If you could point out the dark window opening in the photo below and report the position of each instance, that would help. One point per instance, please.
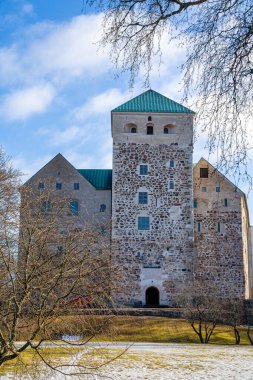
(73, 207)
(143, 169)
(152, 296)
(76, 186)
(102, 230)
(41, 185)
(143, 198)
(149, 118)
(143, 223)
(150, 130)
(133, 130)
(102, 208)
(166, 130)
(225, 202)
(59, 249)
(58, 186)
(46, 207)
(203, 173)
(195, 203)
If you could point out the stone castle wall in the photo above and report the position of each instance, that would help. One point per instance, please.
(161, 256)
(219, 263)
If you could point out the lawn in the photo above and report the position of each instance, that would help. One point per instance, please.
(120, 329)
(164, 330)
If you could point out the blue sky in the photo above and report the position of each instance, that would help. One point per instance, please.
(57, 87)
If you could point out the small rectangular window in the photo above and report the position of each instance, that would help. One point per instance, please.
(171, 186)
(143, 169)
(102, 230)
(171, 163)
(217, 189)
(225, 202)
(203, 173)
(218, 227)
(76, 186)
(143, 198)
(150, 130)
(73, 207)
(203, 189)
(195, 203)
(143, 223)
(58, 186)
(102, 208)
(199, 227)
(46, 207)
(59, 249)
(41, 185)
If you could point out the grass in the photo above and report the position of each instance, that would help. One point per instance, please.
(164, 330)
(120, 329)
(134, 329)
(29, 361)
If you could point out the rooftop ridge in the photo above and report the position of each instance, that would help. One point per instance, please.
(152, 101)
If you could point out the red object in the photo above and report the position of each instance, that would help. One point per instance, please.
(77, 301)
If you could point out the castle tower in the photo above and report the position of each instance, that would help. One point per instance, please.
(152, 200)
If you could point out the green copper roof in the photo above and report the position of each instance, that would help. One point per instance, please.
(152, 101)
(101, 179)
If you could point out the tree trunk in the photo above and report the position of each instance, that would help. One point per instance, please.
(249, 337)
(237, 335)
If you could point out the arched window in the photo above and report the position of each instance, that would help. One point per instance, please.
(130, 128)
(169, 129)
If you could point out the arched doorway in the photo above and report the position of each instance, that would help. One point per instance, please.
(152, 296)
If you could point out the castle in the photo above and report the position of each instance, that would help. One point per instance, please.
(172, 222)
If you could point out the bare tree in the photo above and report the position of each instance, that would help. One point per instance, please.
(249, 319)
(249, 330)
(202, 310)
(218, 69)
(233, 315)
(48, 270)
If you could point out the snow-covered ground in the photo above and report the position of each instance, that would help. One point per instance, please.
(179, 361)
(148, 361)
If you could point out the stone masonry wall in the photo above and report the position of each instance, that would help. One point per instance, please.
(219, 261)
(161, 256)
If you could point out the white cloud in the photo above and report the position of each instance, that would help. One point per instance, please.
(28, 167)
(70, 48)
(10, 68)
(101, 104)
(27, 9)
(101, 157)
(59, 137)
(59, 51)
(21, 104)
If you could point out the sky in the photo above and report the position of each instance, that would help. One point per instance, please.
(57, 87)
